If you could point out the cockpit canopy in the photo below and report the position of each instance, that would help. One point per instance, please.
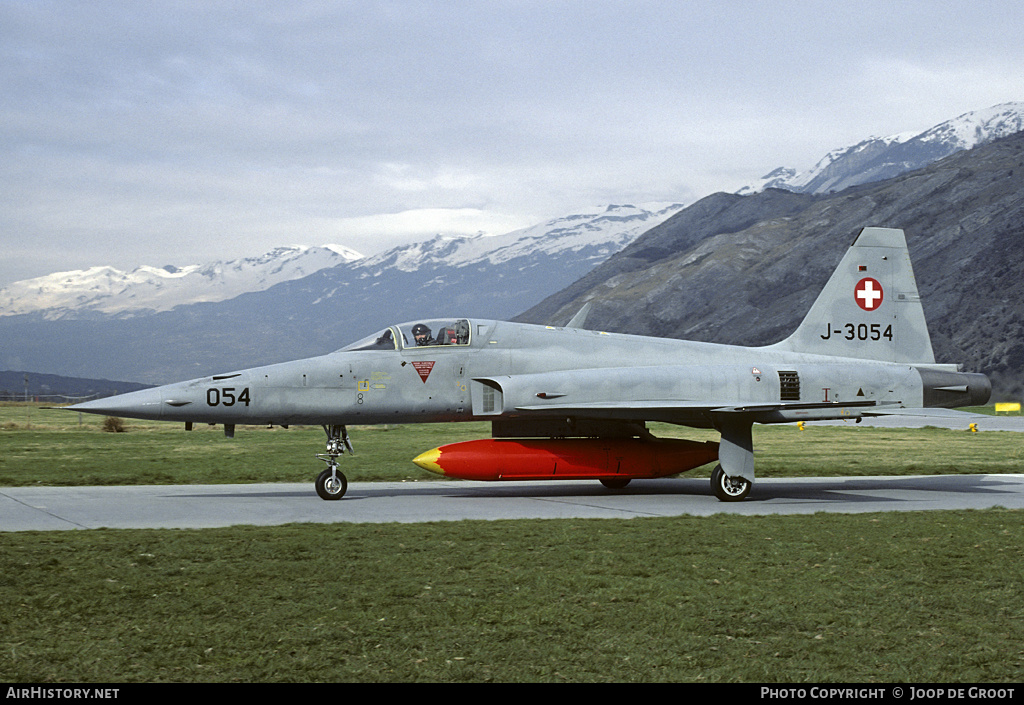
(416, 334)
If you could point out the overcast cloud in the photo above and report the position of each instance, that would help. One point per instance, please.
(183, 132)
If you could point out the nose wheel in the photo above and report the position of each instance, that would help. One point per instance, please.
(332, 483)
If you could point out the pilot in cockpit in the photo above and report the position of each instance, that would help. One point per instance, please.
(422, 335)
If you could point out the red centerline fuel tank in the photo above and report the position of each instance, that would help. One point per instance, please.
(567, 459)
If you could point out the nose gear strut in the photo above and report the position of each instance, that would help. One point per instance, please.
(332, 483)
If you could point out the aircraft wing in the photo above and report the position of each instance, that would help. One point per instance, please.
(702, 414)
(699, 413)
(718, 407)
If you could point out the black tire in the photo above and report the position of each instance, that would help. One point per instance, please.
(615, 483)
(729, 490)
(329, 488)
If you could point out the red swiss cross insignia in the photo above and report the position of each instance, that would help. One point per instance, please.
(868, 294)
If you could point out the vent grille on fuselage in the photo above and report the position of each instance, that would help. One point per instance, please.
(489, 405)
(789, 386)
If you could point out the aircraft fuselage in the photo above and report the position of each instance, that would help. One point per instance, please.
(507, 367)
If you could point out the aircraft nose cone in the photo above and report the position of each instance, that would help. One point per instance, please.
(143, 404)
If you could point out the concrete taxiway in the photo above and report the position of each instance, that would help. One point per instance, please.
(206, 506)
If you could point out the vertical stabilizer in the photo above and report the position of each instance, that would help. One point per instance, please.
(870, 308)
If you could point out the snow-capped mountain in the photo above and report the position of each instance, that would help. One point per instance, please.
(592, 236)
(879, 158)
(589, 237)
(477, 277)
(107, 290)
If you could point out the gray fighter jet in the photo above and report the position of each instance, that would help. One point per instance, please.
(568, 402)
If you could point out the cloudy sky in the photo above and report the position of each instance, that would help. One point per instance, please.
(181, 132)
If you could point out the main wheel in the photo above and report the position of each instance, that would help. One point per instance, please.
(615, 483)
(729, 489)
(329, 487)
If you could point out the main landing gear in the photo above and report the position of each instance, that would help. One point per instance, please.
(332, 483)
(735, 455)
(729, 489)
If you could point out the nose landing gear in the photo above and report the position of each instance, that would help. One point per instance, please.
(332, 483)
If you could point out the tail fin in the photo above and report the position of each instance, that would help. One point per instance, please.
(870, 308)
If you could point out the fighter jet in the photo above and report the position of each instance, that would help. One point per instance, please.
(566, 402)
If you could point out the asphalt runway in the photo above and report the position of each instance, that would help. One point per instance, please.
(206, 506)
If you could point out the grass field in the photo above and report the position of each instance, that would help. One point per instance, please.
(895, 597)
(52, 447)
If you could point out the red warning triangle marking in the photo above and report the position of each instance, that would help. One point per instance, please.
(423, 368)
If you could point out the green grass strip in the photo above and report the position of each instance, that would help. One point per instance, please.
(49, 447)
(900, 597)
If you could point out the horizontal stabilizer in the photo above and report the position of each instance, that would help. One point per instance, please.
(927, 413)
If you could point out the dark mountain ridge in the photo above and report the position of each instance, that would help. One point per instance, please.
(745, 269)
